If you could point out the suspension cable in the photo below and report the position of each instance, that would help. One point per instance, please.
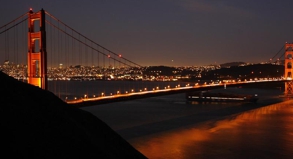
(277, 53)
(14, 20)
(6, 29)
(90, 39)
(84, 42)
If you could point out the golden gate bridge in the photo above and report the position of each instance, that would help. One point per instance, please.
(38, 45)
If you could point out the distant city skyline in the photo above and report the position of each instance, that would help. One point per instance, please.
(173, 33)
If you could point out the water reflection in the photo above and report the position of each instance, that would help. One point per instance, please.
(266, 132)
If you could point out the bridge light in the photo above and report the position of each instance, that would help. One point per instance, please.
(120, 55)
(31, 11)
(109, 56)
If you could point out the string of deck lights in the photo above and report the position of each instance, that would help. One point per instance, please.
(167, 88)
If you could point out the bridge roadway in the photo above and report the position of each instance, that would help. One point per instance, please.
(168, 91)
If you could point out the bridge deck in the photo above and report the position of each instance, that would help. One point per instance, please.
(146, 94)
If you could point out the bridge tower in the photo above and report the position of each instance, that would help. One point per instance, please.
(288, 68)
(37, 55)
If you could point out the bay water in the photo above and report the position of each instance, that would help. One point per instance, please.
(171, 127)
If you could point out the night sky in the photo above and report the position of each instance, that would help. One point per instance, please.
(174, 32)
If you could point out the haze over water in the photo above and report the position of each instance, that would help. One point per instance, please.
(169, 127)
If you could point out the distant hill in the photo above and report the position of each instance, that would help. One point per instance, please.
(224, 65)
(37, 124)
(160, 70)
(246, 72)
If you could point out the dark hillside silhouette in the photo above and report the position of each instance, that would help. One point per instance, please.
(37, 124)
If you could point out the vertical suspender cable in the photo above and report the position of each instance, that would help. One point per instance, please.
(61, 51)
(17, 38)
(92, 66)
(98, 58)
(85, 56)
(8, 47)
(104, 66)
(55, 56)
(91, 56)
(104, 71)
(72, 44)
(66, 67)
(14, 46)
(5, 44)
(51, 52)
(71, 54)
(80, 58)
(21, 48)
(86, 65)
(58, 61)
(99, 68)
(25, 52)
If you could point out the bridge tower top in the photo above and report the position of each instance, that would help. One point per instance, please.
(288, 68)
(37, 55)
(288, 60)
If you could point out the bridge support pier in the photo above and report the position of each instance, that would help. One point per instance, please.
(288, 88)
(37, 56)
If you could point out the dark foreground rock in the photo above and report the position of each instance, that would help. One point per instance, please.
(37, 124)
